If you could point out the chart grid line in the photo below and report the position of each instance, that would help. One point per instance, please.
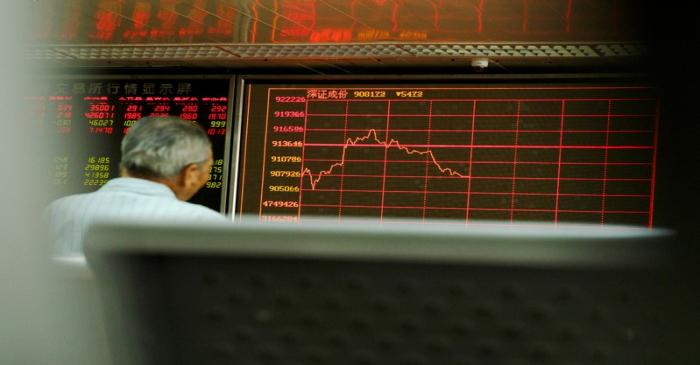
(386, 152)
(471, 162)
(490, 162)
(561, 142)
(408, 115)
(628, 131)
(605, 166)
(342, 171)
(515, 161)
(427, 162)
(418, 208)
(653, 164)
(477, 193)
(505, 177)
(416, 145)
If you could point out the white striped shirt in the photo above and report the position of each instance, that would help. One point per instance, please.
(125, 197)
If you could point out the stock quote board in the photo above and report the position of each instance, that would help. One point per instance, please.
(86, 119)
(407, 152)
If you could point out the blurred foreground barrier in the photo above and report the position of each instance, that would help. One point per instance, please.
(366, 293)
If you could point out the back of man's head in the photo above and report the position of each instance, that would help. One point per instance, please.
(160, 147)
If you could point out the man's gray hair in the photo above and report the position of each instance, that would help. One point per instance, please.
(160, 147)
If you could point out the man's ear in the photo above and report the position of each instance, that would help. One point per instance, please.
(189, 176)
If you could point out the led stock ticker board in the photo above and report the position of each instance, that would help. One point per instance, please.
(87, 119)
(464, 152)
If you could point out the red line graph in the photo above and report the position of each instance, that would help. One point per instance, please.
(372, 136)
(400, 177)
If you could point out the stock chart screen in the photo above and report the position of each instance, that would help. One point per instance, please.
(408, 152)
(85, 120)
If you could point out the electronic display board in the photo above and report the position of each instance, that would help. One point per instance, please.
(527, 150)
(87, 118)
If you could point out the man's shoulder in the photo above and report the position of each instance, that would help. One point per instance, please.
(104, 203)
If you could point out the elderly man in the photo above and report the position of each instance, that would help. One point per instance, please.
(165, 161)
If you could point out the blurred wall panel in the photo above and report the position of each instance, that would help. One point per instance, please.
(334, 21)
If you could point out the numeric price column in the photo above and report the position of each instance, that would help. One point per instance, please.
(216, 111)
(284, 142)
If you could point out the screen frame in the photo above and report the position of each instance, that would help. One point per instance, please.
(244, 80)
(230, 136)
